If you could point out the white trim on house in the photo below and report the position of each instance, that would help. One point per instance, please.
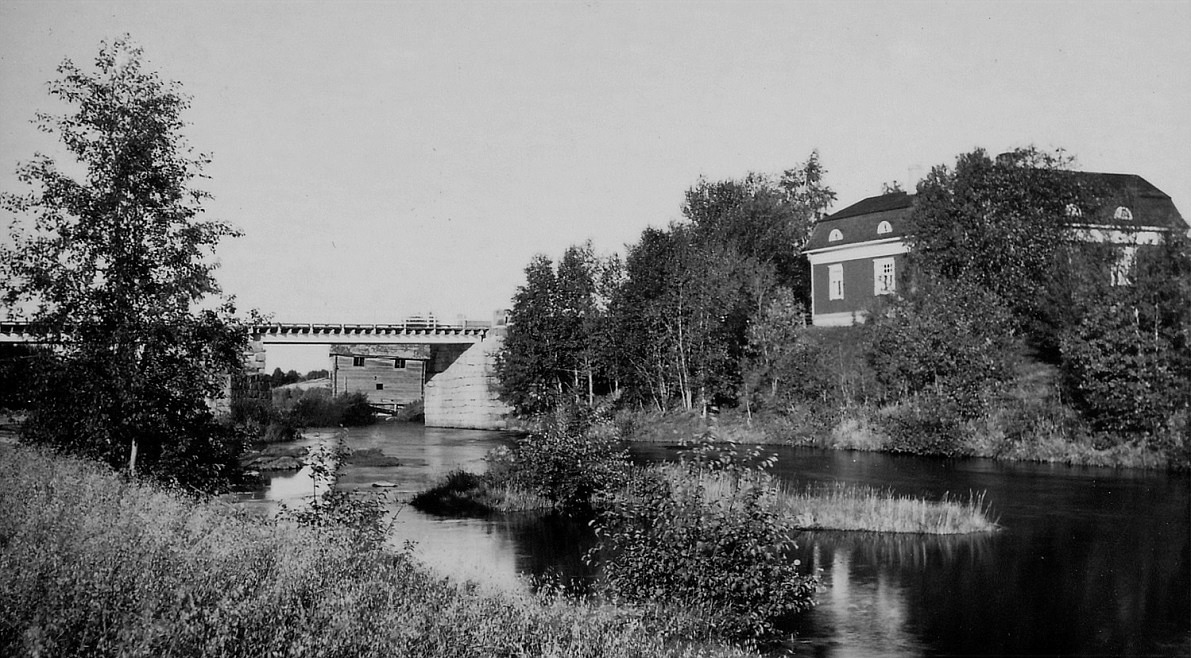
(844, 319)
(1143, 235)
(870, 249)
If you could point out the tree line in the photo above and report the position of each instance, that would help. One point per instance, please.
(667, 324)
(711, 312)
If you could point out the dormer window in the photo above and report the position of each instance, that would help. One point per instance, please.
(835, 235)
(1073, 210)
(884, 227)
(1123, 214)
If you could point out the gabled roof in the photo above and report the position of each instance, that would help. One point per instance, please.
(859, 221)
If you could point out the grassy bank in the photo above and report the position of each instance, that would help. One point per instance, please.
(1040, 437)
(93, 565)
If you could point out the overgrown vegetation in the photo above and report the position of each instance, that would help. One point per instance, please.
(1008, 339)
(108, 567)
(722, 551)
(110, 264)
(316, 407)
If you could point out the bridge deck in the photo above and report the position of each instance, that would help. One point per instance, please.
(313, 333)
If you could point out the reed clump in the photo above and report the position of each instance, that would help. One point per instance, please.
(94, 565)
(461, 493)
(851, 507)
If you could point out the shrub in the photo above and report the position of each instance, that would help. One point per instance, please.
(703, 535)
(569, 460)
(360, 516)
(316, 407)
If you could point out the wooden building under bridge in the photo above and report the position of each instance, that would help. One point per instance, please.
(391, 376)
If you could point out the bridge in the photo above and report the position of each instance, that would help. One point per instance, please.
(447, 365)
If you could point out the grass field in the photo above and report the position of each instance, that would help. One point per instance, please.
(94, 565)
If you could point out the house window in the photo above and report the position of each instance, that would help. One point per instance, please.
(884, 227)
(380, 386)
(399, 364)
(1073, 210)
(835, 281)
(1122, 269)
(358, 361)
(835, 235)
(884, 276)
(1123, 214)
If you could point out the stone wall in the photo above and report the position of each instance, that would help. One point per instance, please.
(243, 387)
(463, 394)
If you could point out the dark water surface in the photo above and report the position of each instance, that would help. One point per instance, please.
(1090, 561)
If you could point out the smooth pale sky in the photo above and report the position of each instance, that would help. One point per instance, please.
(391, 158)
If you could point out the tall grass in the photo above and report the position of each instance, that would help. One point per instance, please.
(460, 493)
(849, 507)
(93, 565)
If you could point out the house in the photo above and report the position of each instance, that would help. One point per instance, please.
(856, 256)
(859, 253)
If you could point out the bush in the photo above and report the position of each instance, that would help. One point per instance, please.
(315, 407)
(704, 536)
(569, 460)
(953, 340)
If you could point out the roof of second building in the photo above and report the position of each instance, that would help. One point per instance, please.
(1128, 201)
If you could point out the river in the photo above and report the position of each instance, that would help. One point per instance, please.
(1089, 561)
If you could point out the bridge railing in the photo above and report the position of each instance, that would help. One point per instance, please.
(467, 327)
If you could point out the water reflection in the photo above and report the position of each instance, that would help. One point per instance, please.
(1091, 561)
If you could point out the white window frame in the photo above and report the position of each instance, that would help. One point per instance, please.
(835, 235)
(1123, 214)
(884, 227)
(884, 276)
(835, 281)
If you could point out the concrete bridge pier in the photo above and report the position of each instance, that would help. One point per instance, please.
(465, 393)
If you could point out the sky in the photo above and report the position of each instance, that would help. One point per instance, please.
(384, 159)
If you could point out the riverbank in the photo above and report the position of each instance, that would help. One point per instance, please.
(92, 564)
(861, 429)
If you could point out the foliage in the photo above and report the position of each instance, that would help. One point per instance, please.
(568, 460)
(360, 516)
(1127, 360)
(18, 365)
(691, 291)
(786, 366)
(279, 378)
(666, 536)
(113, 263)
(944, 351)
(316, 407)
(556, 347)
(669, 326)
(954, 339)
(109, 568)
(999, 225)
